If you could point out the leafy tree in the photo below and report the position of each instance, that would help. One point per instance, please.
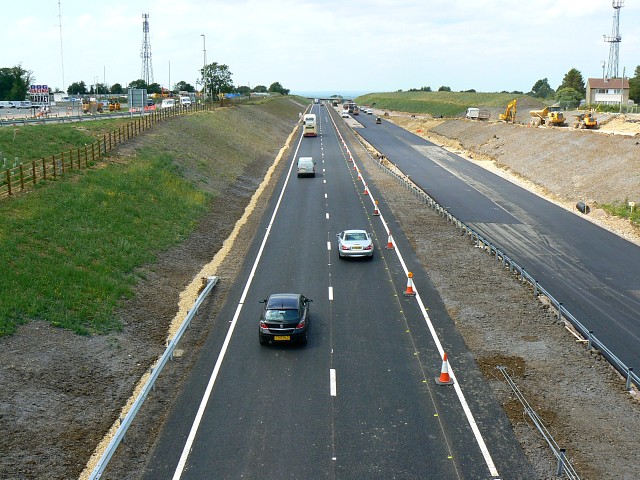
(117, 89)
(217, 78)
(154, 88)
(260, 89)
(277, 88)
(444, 89)
(243, 90)
(138, 84)
(77, 88)
(183, 86)
(542, 89)
(568, 97)
(573, 79)
(634, 86)
(14, 83)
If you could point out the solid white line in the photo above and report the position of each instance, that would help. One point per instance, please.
(332, 381)
(330, 294)
(212, 380)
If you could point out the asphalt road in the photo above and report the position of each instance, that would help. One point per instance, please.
(591, 271)
(359, 400)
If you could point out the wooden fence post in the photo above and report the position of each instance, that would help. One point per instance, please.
(44, 168)
(53, 164)
(8, 170)
(33, 171)
(93, 152)
(86, 156)
(21, 177)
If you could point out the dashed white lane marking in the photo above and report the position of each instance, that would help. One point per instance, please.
(330, 294)
(332, 382)
(327, 215)
(328, 245)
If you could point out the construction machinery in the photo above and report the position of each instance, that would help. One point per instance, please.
(585, 120)
(89, 106)
(549, 116)
(509, 114)
(114, 105)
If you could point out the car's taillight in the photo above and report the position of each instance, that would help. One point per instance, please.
(368, 247)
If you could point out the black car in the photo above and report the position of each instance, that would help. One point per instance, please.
(285, 318)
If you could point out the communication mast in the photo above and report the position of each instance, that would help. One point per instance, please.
(146, 73)
(614, 40)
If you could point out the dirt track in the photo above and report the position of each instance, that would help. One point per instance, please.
(55, 410)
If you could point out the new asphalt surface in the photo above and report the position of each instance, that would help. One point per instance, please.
(591, 271)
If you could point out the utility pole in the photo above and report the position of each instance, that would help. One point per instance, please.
(204, 66)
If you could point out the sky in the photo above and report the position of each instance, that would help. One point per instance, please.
(320, 45)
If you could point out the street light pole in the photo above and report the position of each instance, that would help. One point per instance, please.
(204, 65)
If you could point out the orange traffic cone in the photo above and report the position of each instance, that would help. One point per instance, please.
(389, 243)
(366, 192)
(444, 378)
(359, 177)
(355, 167)
(376, 212)
(350, 158)
(409, 292)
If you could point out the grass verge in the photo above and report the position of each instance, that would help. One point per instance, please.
(71, 248)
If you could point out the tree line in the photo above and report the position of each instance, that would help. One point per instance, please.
(214, 78)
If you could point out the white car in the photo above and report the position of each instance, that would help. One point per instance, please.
(345, 114)
(355, 243)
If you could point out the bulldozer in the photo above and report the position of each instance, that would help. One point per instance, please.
(509, 114)
(89, 106)
(585, 120)
(114, 105)
(549, 116)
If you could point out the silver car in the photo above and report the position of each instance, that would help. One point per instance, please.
(355, 243)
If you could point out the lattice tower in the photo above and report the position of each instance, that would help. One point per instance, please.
(614, 40)
(146, 72)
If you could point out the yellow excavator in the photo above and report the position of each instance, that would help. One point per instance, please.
(509, 114)
(585, 120)
(549, 116)
(114, 105)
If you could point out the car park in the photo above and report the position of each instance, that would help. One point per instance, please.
(285, 318)
(306, 167)
(355, 243)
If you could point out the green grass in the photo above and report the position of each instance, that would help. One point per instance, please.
(447, 104)
(36, 141)
(622, 209)
(70, 248)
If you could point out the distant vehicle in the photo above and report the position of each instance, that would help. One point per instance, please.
(477, 114)
(345, 114)
(355, 243)
(378, 120)
(6, 104)
(185, 101)
(310, 128)
(168, 103)
(306, 167)
(22, 104)
(285, 318)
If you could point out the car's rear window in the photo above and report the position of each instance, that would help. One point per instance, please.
(281, 315)
(355, 236)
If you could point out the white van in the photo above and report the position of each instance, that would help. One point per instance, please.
(23, 104)
(185, 101)
(168, 103)
(306, 167)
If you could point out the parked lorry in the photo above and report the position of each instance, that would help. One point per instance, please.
(549, 116)
(474, 113)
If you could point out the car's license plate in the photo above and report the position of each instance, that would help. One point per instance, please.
(282, 337)
(357, 247)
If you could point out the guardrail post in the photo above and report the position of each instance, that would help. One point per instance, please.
(589, 344)
(535, 288)
(559, 311)
(629, 372)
